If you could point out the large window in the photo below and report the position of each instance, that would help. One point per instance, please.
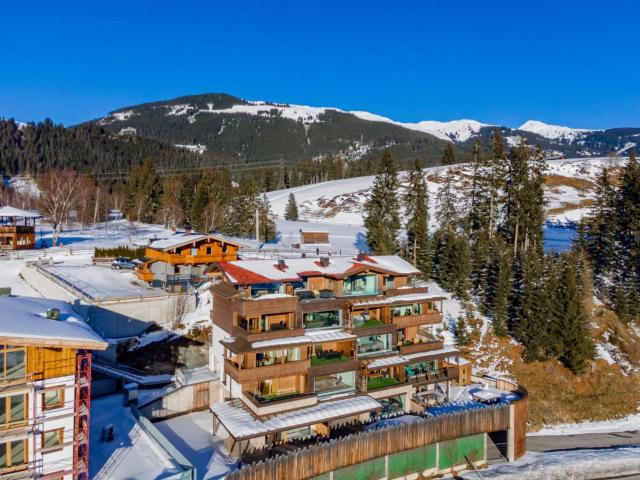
(405, 310)
(12, 362)
(323, 319)
(258, 289)
(373, 344)
(13, 409)
(335, 383)
(274, 357)
(13, 455)
(360, 285)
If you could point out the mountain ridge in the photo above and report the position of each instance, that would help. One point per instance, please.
(256, 130)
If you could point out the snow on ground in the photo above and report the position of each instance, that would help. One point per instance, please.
(192, 435)
(630, 423)
(133, 453)
(567, 464)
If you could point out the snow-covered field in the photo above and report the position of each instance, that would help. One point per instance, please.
(630, 423)
(567, 464)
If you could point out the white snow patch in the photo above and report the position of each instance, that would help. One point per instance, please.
(197, 148)
(554, 132)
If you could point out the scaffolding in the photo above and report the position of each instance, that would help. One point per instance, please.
(82, 414)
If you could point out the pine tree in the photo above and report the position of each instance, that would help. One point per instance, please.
(576, 338)
(291, 211)
(142, 193)
(462, 333)
(494, 176)
(382, 218)
(241, 213)
(448, 156)
(416, 202)
(498, 290)
(267, 225)
(447, 203)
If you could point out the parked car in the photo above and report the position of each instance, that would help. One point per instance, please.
(122, 262)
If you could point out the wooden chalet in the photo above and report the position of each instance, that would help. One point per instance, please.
(17, 229)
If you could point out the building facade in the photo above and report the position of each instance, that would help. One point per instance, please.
(180, 261)
(17, 229)
(343, 335)
(45, 389)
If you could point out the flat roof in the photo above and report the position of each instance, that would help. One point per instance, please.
(242, 423)
(102, 283)
(23, 321)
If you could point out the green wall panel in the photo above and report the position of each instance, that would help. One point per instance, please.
(412, 461)
(371, 470)
(453, 452)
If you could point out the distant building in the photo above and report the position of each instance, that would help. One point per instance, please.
(45, 389)
(313, 236)
(179, 261)
(325, 340)
(17, 229)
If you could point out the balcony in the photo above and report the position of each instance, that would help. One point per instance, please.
(267, 304)
(422, 375)
(376, 383)
(432, 317)
(420, 344)
(15, 379)
(243, 375)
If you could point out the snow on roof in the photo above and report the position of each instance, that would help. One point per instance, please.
(260, 271)
(413, 297)
(268, 296)
(280, 341)
(314, 230)
(387, 362)
(16, 212)
(240, 423)
(180, 239)
(450, 349)
(328, 336)
(24, 321)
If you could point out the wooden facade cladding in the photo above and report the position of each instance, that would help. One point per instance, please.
(426, 346)
(269, 335)
(206, 252)
(247, 307)
(244, 375)
(429, 318)
(17, 237)
(44, 363)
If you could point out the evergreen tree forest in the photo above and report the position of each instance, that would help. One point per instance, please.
(488, 247)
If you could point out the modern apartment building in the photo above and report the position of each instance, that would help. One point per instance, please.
(305, 344)
(45, 389)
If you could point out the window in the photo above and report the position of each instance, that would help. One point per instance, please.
(13, 454)
(334, 383)
(12, 362)
(373, 344)
(52, 439)
(208, 250)
(361, 285)
(53, 399)
(13, 409)
(406, 310)
(323, 319)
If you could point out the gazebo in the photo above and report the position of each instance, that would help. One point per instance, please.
(17, 229)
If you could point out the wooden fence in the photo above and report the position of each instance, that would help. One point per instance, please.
(325, 457)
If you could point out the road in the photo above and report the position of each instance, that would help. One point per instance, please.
(550, 443)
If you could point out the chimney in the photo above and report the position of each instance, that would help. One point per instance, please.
(324, 261)
(281, 264)
(304, 255)
(187, 229)
(53, 314)
(361, 257)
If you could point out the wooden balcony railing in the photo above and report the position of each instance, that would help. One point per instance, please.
(421, 346)
(285, 369)
(428, 318)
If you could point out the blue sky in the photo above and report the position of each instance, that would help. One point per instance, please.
(575, 63)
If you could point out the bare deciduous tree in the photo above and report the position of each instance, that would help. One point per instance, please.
(58, 195)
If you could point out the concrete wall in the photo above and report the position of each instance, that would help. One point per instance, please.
(183, 400)
(116, 319)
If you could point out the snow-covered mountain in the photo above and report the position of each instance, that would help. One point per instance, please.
(257, 130)
(552, 132)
